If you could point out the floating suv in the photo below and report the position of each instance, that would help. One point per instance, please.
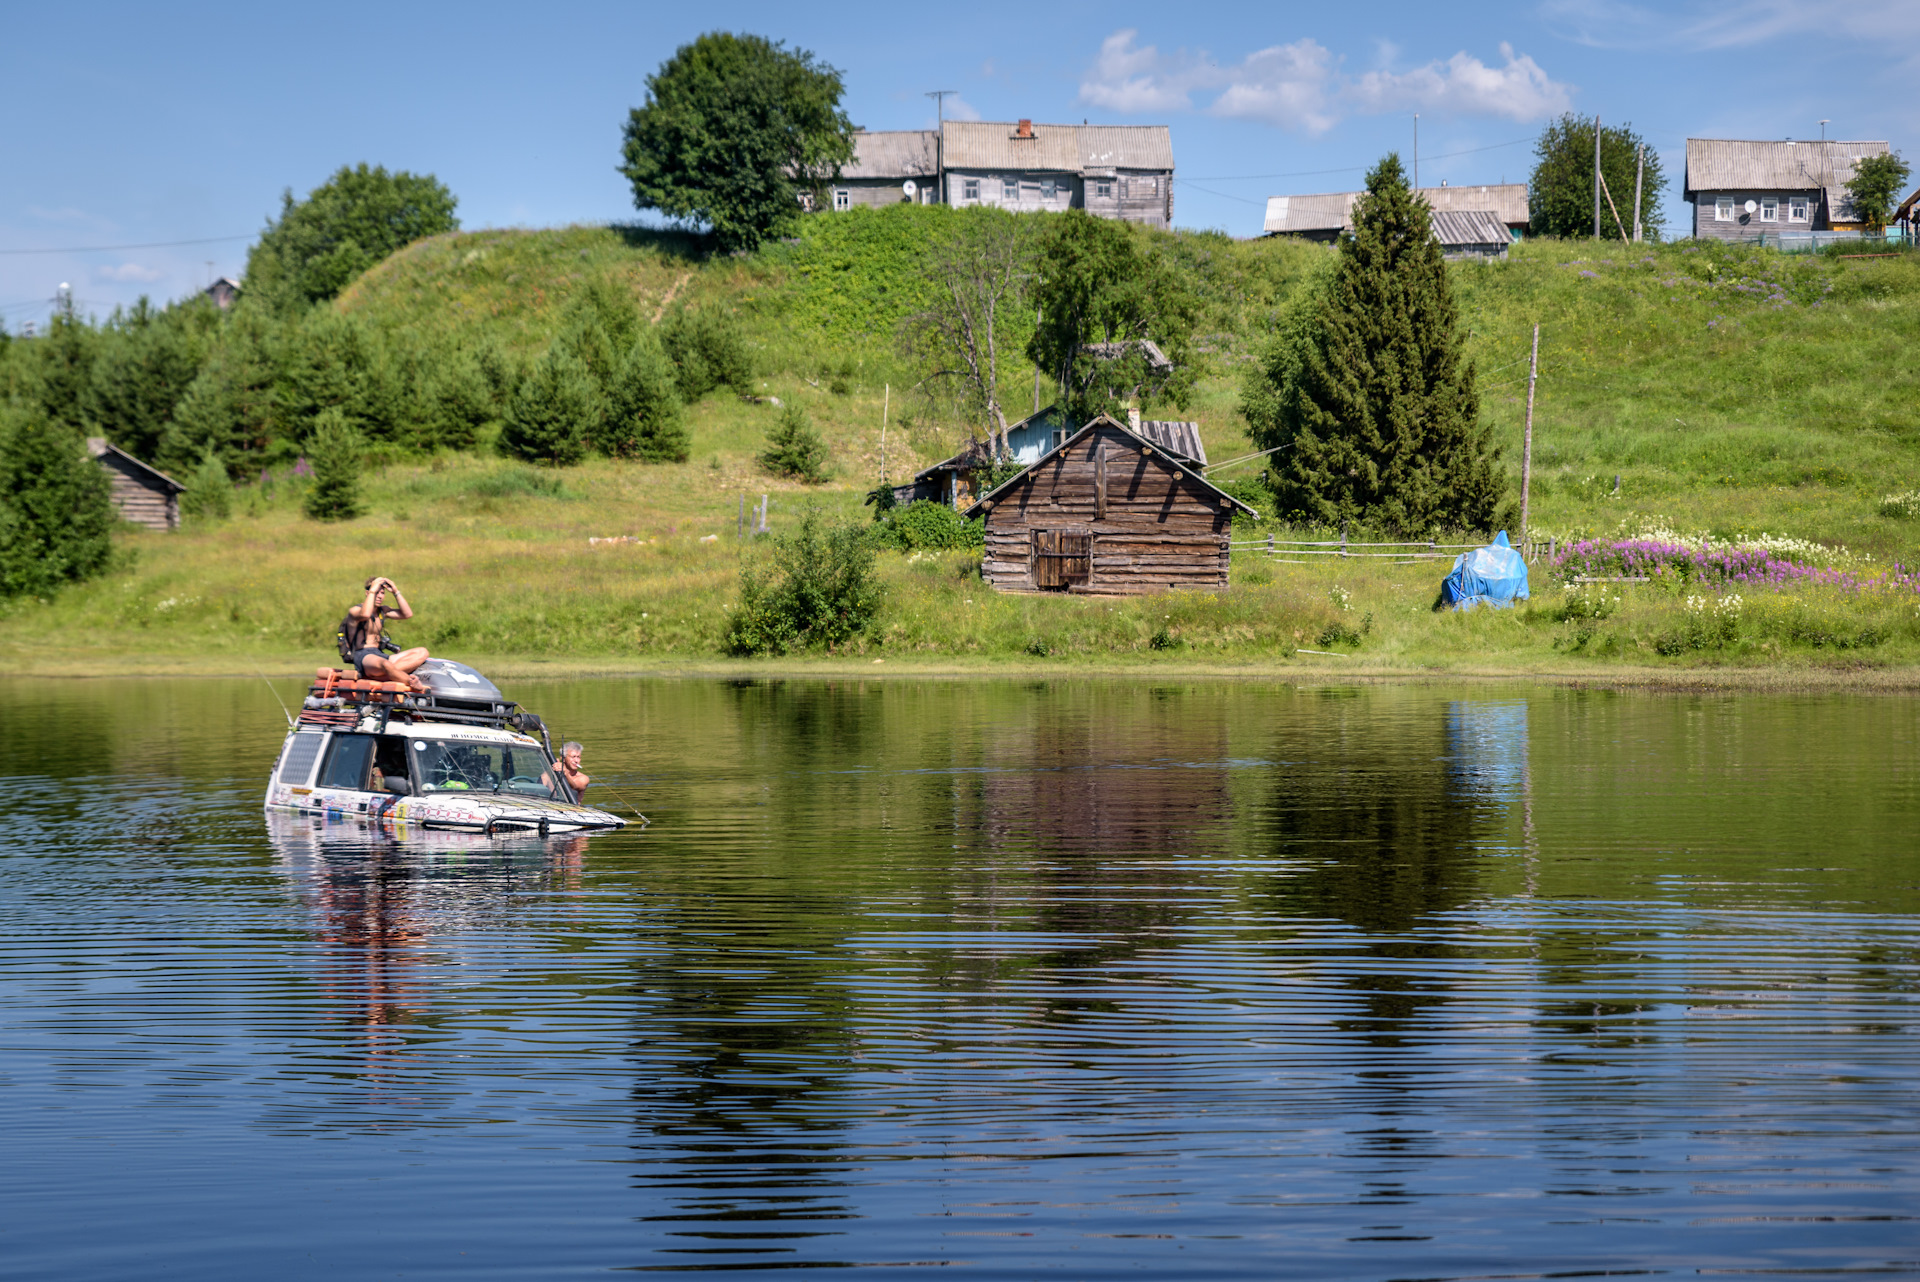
(457, 758)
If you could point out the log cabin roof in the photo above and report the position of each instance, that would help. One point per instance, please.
(1732, 164)
(1469, 227)
(1067, 149)
(1182, 440)
(1148, 445)
(100, 447)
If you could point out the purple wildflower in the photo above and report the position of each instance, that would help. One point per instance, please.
(301, 467)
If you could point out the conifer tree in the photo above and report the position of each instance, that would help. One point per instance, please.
(1370, 398)
(795, 448)
(209, 492)
(56, 513)
(336, 454)
(644, 419)
(552, 412)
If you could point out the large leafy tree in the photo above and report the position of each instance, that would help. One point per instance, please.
(319, 245)
(1876, 184)
(735, 129)
(1102, 294)
(1366, 397)
(1560, 190)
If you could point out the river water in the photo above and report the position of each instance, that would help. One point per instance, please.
(1071, 978)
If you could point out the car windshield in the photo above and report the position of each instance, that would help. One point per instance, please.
(481, 767)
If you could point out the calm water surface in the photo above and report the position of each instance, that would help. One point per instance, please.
(1064, 979)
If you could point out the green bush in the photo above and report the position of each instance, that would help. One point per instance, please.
(336, 454)
(708, 351)
(820, 590)
(795, 447)
(209, 492)
(56, 513)
(926, 524)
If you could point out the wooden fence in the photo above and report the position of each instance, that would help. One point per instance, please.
(1306, 551)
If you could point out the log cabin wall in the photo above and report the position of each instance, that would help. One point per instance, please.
(140, 495)
(1152, 527)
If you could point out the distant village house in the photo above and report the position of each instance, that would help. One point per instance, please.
(142, 495)
(223, 292)
(1760, 190)
(1469, 222)
(1112, 171)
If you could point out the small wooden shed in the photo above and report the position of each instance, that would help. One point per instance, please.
(142, 495)
(1107, 511)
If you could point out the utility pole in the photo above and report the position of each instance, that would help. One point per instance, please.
(1526, 456)
(1596, 175)
(1639, 172)
(940, 97)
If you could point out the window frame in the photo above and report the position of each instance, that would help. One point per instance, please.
(1724, 209)
(1799, 209)
(1049, 188)
(1009, 188)
(842, 200)
(970, 189)
(1769, 209)
(1103, 188)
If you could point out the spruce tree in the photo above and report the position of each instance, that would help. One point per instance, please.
(336, 453)
(552, 412)
(209, 492)
(56, 513)
(795, 448)
(1370, 397)
(644, 419)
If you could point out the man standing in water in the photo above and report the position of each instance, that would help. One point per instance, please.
(362, 630)
(570, 771)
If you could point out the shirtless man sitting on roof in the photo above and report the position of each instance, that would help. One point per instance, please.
(363, 627)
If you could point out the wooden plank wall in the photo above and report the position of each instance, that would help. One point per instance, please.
(1158, 530)
(155, 509)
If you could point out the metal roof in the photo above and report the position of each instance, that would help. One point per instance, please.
(1166, 455)
(1469, 227)
(1068, 149)
(1333, 211)
(895, 153)
(1728, 164)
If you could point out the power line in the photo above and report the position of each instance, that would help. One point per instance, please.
(1351, 169)
(109, 249)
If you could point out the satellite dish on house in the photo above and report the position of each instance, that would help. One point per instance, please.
(1751, 206)
(909, 187)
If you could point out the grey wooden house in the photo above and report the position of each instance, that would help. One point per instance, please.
(1462, 216)
(956, 480)
(1114, 171)
(1107, 511)
(1742, 190)
(142, 495)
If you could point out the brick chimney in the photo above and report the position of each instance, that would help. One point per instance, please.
(1026, 129)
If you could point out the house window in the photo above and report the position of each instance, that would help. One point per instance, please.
(1769, 210)
(1047, 188)
(1723, 209)
(970, 189)
(1797, 209)
(1152, 185)
(1104, 190)
(842, 199)
(1009, 189)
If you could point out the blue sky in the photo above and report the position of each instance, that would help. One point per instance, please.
(137, 124)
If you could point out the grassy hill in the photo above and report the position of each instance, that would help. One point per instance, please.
(1731, 391)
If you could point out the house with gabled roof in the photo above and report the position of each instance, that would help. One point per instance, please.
(1743, 190)
(1108, 510)
(142, 495)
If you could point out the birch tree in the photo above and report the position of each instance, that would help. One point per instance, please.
(979, 280)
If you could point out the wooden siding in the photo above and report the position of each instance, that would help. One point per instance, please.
(157, 509)
(1745, 226)
(1152, 526)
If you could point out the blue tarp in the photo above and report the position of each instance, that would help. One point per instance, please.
(1493, 575)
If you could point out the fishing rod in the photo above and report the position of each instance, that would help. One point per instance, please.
(276, 694)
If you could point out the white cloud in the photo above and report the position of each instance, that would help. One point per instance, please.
(1723, 24)
(129, 272)
(1300, 86)
(959, 108)
(1464, 85)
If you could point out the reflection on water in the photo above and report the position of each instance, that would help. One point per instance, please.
(1014, 979)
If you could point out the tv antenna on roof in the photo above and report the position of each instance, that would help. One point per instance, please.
(1823, 129)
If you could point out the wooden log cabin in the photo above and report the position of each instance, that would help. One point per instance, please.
(1110, 512)
(142, 495)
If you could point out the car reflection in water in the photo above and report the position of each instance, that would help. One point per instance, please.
(381, 897)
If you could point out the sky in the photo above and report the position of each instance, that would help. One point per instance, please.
(133, 128)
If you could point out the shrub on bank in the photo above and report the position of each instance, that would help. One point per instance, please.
(819, 591)
(926, 525)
